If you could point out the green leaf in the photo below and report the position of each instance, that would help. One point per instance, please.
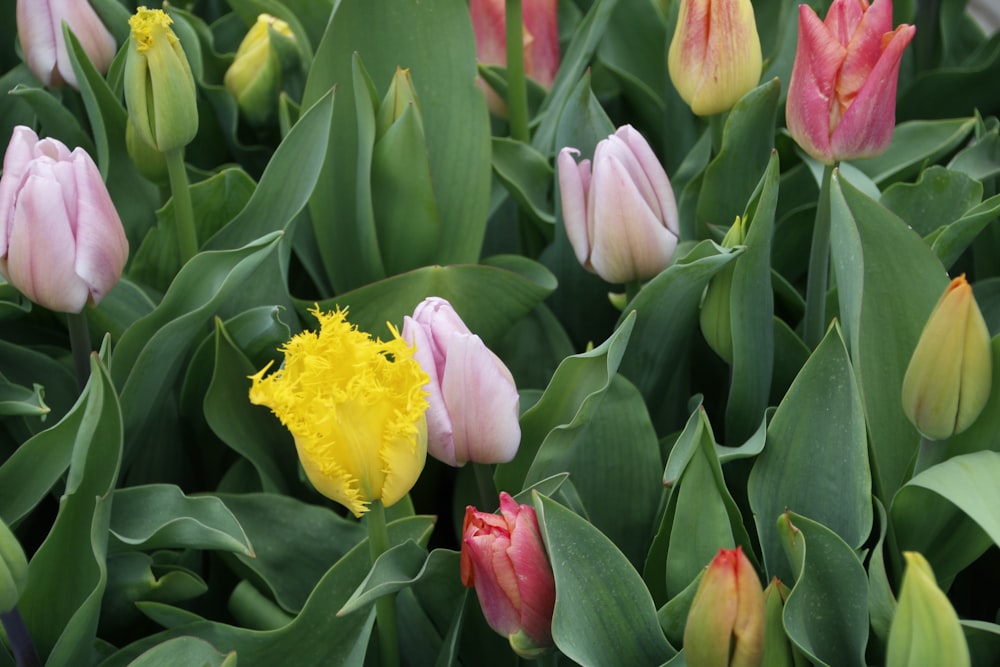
(67, 575)
(160, 516)
(938, 198)
(54, 117)
(399, 568)
(134, 577)
(888, 281)
(573, 394)
(951, 241)
(184, 651)
(18, 400)
(673, 615)
(826, 614)
(603, 613)
(816, 459)
(947, 512)
(881, 601)
(915, 144)
(527, 176)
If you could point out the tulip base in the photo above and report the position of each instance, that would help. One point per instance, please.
(385, 606)
(79, 343)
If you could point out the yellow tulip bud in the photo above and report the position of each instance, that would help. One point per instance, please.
(948, 380)
(714, 57)
(159, 86)
(925, 629)
(255, 76)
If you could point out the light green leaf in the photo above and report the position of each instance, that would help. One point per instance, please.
(915, 144)
(184, 651)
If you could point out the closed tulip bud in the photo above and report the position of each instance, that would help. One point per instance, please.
(61, 240)
(355, 407)
(716, 318)
(504, 559)
(620, 215)
(39, 27)
(147, 160)
(950, 374)
(778, 650)
(255, 76)
(714, 57)
(842, 93)
(925, 629)
(725, 625)
(13, 569)
(473, 413)
(159, 86)
(540, 32)
(400, 98)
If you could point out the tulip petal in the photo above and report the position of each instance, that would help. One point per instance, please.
(536, 582)
(20, 151)
(866, 127)
(440, 443)
(482, 401)
(541, 57)
(818, 58)
(574, 181)
(41, 245)
(653, 172)
(844, 17)
(35, 29)
(630, 242)
(496, 580)
(95, 39)
(101, 246)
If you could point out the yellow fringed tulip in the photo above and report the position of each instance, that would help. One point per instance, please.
(355, 406)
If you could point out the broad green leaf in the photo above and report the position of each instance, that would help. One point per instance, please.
(826, 614)
(184, 651)
(951, 241)
(123, 305)
(938, 198)
(816, 459)
(881, 601)
(984, 641)
(56, 120)
(888, 281)
(401, 567)
(673, 615)
(947, 512)
(527, 176)
(135, 577)
(575, 391)
(160, 516)
(533, 348)
(603, 613)
(914, 144)
(18, 400)
(67, 575)
(456, 124)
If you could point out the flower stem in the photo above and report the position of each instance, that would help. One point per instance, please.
(385, 606)
(517, 88)
(79, 343)
(20, 641)
(631, 290)
(487, 489)
(819, 265)
(187, 238)
(931, 453)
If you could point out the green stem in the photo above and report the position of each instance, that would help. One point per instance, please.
(931, 453)
(187, 238)
(717, 126)
(79, 343)
(385, 606)
(517, 87)
(487, 489)
(20, 641)
(819, 265)
(632, 288)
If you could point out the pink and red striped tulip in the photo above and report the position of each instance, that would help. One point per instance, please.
(39, 27)
(61, 240)
(841, 98)
(504, 558)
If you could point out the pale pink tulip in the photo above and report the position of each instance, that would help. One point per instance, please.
(61, 240)
(842, 94)
(39, 27)
(620, 215)
(473, 412)
(504, 558)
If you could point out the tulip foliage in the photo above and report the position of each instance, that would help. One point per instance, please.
(377, 332)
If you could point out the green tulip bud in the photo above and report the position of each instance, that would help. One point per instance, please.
(147, 160)
(255, 77)
(159, 86)
(949, 378)
(13, 569)
(925, 629)
(716, 315)
(400, 96)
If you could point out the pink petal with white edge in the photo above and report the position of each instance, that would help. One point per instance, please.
(654, 171)
(482, 402)
(574, 181)
(440, 443)
(867, 126)
(20, 152)
(38, 38)
(101, 246)
(97, 41)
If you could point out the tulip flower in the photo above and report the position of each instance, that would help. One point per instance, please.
(355, 407)
(841, 97)
(541, 42)
(925, 629)
(950, 374)
(61, 240)
(504, 558)
(620, 215)
(254, 78)
(725, 625)
(159, 86)
(714, 57)
(473, 413)
(40, 29)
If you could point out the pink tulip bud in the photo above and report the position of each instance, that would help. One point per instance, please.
(541, 42)
(504, 558)
(473, 413)
(61, 240)
(841, 98)
(39, 27)
(620, 215)
(725, 625)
